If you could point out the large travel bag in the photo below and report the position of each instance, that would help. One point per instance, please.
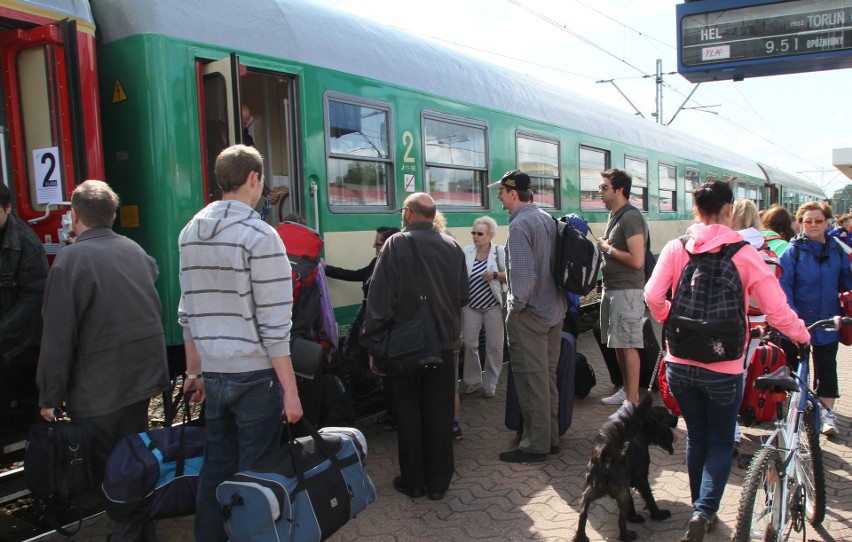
(761, 405)
(154, 474)
(303, 491)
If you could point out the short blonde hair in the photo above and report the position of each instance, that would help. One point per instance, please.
(488, 222)
(745, 215)
(439, 223)
(813, 206)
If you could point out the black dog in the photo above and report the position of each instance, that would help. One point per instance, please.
(621, 460)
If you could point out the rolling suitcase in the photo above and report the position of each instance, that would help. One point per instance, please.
(760, 405)
(565, 380)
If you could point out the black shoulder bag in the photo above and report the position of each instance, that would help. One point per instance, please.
(414, 344)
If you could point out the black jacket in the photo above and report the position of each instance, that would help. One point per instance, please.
(353, 275)
(23, 271)
(393, 293)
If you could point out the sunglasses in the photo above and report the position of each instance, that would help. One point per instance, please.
(603, 187)
(477, 233)
(816, 221)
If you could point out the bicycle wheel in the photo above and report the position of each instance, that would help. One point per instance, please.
(759, 515)
(810, 470)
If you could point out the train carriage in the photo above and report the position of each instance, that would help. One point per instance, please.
(350, 116)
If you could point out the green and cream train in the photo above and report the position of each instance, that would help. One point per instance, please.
(350, 117)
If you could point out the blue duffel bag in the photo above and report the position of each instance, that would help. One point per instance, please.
(154, 475)
(303, 491)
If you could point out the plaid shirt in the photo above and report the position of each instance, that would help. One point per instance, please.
(530, 247)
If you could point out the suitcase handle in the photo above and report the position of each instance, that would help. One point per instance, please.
(318, 441)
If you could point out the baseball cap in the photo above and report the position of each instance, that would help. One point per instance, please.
(515, 179)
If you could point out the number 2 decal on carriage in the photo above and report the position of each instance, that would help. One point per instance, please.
(48, 175)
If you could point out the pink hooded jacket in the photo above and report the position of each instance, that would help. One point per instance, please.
(758, 282)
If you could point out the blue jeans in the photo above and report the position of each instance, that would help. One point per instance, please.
(709, 402)
(243, 416)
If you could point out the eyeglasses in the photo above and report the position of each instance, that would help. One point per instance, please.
(402, 209)
(603, 187)
(815, 221)
(477, 233)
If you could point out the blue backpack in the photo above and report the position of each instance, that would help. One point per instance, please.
(707, 321)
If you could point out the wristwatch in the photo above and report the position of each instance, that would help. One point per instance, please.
(190, 376)
(609, 252)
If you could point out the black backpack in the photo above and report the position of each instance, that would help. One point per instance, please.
(576, 260)
(707, 321)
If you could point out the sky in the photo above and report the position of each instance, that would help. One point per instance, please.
(792, 122)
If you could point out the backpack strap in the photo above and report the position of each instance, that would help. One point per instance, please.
(772, 238)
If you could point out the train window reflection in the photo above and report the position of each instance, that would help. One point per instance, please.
(592, 163)
(539, 158)
(456, 160)
(359, 161)
(668, 188)
(638, 169)
(693, 181)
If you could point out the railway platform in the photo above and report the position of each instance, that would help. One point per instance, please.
(490, 500)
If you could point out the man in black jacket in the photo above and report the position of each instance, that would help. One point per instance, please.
(424, 400)
(23, 270)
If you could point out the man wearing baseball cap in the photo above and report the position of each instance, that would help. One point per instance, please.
(534, 323)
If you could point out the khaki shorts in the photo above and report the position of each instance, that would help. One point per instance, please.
(622, 318)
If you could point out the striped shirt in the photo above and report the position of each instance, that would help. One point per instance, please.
(481, 295)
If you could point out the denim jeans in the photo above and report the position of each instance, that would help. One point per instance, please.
(243, 417)
(709, 402)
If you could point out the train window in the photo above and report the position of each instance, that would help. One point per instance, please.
(456, 160)
(692, 182)
(668, 188)
(710, 177)
(638, 169)
(741, 190)
(38, 105)
(539, 158)
(360, 168)
(592, 163)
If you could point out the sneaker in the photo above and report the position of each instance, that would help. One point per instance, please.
(467, 390)
(616, 398)
(829, 423)
(489, 394)
(623, 412)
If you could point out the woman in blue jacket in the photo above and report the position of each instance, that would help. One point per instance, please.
(814, 270)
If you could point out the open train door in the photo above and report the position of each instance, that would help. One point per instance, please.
(238, 104)
(42, 143)
(218, 115)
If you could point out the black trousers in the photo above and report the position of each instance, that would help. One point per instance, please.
(424, 412)
(108, 430)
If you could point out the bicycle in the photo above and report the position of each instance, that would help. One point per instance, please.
(785, 483)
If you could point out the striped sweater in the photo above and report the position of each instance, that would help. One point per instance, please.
(236, 292)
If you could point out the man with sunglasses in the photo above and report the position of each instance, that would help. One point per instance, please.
(534, 324)
(622, 302)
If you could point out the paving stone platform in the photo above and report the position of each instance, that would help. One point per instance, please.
(490, 500)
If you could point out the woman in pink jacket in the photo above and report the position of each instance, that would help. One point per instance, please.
(708, 383)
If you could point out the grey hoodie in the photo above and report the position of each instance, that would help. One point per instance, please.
(236, 291)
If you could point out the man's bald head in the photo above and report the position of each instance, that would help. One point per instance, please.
(422, 207)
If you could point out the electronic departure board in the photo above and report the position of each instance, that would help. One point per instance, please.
(732, 40)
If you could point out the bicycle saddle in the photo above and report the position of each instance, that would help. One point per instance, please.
(780, 380)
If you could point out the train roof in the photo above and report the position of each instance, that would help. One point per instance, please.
(777, 176)
(316, 35)
(78, 10)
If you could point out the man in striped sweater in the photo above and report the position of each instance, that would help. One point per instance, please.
(235, 308)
